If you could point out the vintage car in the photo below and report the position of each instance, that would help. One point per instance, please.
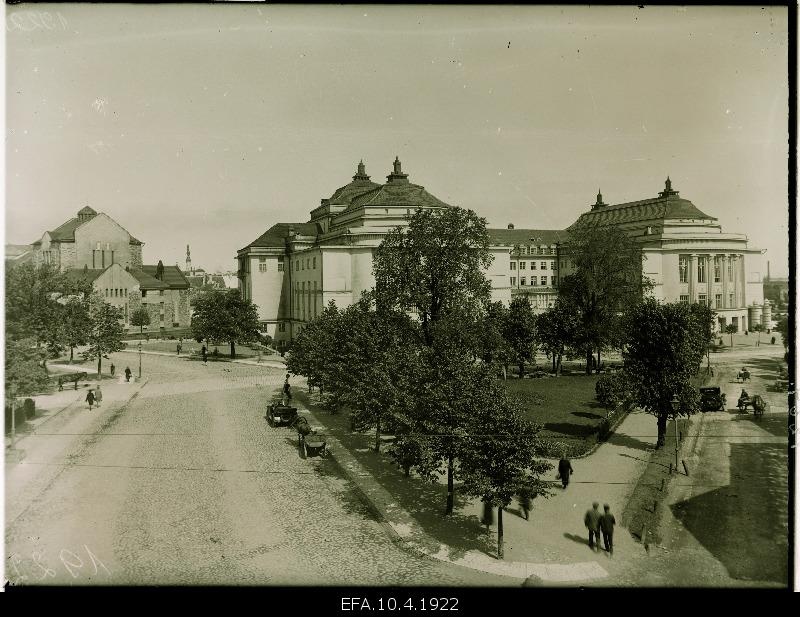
(280, 415)
(712, 399)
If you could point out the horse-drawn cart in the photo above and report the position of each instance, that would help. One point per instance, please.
(310, 443)
(757, 402)
(281, 415)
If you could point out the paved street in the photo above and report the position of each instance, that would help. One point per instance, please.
(187, 484)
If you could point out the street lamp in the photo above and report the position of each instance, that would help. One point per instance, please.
(675, 406)
(140, 359)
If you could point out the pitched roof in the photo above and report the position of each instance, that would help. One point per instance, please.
(66, 231)
(173, 277)
(512, 237)
(346, 193)
(663, 208)
(276, 235)
(398, 194)
(85, 274)
(146, 280)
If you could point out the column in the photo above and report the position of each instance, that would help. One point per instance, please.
(710, 263)
(692, 278)
(735, 281)
(725, 282)
(742, 282)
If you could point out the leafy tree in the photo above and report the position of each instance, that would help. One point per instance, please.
(783, 327)
(520, 332)
(491, 346)
(140, 317)
(500, 461)
(24, 373)
(555, 328)
(731, 329)
(76, 323)
(606, 279)
(105, 331)
(315, 351)
(705, 318)
(225, 316)
(665, 346)
(434, 266)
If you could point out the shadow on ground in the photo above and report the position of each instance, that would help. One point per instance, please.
(630, 442)
(749, 530)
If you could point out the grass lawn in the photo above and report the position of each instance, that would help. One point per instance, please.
(565, 407)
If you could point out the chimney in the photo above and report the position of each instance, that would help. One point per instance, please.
(511, 225)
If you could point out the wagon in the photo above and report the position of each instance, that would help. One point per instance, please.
(712, 399)
(310, 443)
(757, 402)
(281, 415)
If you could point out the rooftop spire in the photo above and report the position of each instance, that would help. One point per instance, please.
(361, 172)
(397, 175)
(668, 192)
(599, 203)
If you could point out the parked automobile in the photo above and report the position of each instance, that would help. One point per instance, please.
(712, 399)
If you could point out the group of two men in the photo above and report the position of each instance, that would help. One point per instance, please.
(596, 523)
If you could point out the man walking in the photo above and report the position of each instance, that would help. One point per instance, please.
(564, 470)
(204, 351)
(607, 522)
(127, 374)
(98, 396)
(592, 522)
(287, 392)
(113, 368)
(90, 399)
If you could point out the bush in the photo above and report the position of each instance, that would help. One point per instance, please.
(612, 390)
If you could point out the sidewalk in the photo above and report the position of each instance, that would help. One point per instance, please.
(272, 363)
(551, 548)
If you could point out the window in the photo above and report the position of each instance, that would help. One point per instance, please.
(731, 300)
(533, 265)
(701, 270)
(513, 265)
(126, 293)
(552, 252)
(552, 265)
(543, 265)
(262, 267)
(315, 263)
(161, 292)
(718, 300)
(683, 269)
(685, 299)
(303, 264)
(553, 281)
(717, 270)
(544, 280)
(280, 264)
(522, 280)
(282, 327)
(522, 266)
(106, 292)
(513, 281)
(144, 293)
(702, 299)
(533, 281)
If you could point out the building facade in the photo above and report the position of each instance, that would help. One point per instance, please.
(687, 256)
(94, 247)
(293, 270)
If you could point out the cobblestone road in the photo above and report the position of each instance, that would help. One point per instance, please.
(187, 484)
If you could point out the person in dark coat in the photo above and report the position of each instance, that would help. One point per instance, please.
(127, 374)
(113, 368)
(564, 470)
(287, 391)
(607, 522)
(204, 351)
(90, 399)
(592, 522)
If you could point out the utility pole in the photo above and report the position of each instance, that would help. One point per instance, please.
(140, 360)
(676, 442)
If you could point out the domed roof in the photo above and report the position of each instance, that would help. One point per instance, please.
(360, 184)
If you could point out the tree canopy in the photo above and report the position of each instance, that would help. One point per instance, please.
(225, 316)
(105, 332)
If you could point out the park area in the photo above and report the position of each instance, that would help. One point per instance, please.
(565, 407)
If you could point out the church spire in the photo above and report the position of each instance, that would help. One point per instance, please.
(188, 259)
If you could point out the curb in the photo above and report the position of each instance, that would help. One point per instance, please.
(265, 363)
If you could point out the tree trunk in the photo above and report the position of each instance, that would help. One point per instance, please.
(554, 363)
(500, 532)
(141, 329)
(731, 340)
(71, 354)
(598, 361)
(521, 370)
(378, 435)
(449, 509)
(589, 357)
(233, 351)
(505, 374)
(407, 469)
(662, 429)
(558, 368)
(99, 365)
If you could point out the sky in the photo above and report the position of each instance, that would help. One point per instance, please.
(206, 124)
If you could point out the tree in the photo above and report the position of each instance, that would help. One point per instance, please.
(140, 317)
(607, 279)
(783, 327)
(500, 461)
(105, 331)
(554, 329)
(24, 372)
(731, 329)
(665, 346)
(491, 346)
(315, 351)
(225, 316)
(520, 332)
(758, 328)
(76, 323)
(434, 266)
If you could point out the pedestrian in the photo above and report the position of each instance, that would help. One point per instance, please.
(178, 348)
(287, 392)
(98, 396)
(90, 399)
(127, 374)
(607, 522)
(592, 522)
(204, 352)
(564, 470)
(113, 368)
(524, 499)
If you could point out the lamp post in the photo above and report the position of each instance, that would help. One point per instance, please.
(140, 359)
(675, 406)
